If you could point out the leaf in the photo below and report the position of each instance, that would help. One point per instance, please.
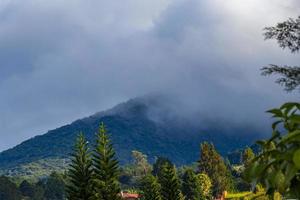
(296, 159)
(287, 107)
(295, 119)
(288, 156)
(276, 112)
(261, 143)
(290, 173)
(289, 136)
(274, 125)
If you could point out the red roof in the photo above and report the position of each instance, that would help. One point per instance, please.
(126, 195)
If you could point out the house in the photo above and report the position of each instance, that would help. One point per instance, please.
(130, 196)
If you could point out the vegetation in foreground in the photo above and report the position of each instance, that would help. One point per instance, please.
(95, 174)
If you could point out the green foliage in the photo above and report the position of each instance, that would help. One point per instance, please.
(27, 189)
(106, 168)
(54, 187)
(205, 185)
(80, 173)
(248, 156)
(170, 185)
(195, 187)
(33, 171)
(39, 190)
(277, 167)
(150, 188)
(8, 189)
(159, 163)
(131, 174)
(212, 164)
(140, 162)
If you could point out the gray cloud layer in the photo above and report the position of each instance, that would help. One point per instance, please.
(62, 60)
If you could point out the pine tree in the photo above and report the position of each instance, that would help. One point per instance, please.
(80, 172)
(150, 188)
(159, 163)
(191, 186)
(170, 185)
(205, 186)
(212, 164)
(106, 168)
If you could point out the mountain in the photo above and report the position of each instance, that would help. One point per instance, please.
(145, 124)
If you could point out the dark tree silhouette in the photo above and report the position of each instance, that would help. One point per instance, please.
(287, 34)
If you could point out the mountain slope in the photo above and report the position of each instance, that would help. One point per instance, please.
(132, 128)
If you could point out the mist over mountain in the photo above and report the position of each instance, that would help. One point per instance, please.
(149, 124)
(61, 60)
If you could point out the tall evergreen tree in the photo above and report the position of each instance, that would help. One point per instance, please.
(170, 185)
(205, 186)
(212, 164)
(150, 188)
(80, 173)
(159, 163)
(191, 186)
(106, 168)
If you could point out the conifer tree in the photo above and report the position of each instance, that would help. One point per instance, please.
(205, 185)
(106, 168)
(170, 185)
(159, 163)
(191, 186)
(150, 188)
(212, 164)
(80, 172)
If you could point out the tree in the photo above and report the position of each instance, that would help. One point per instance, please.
(141, 165)
(106, 168)
(191, 185)
(205, 185)
(39, 190)
(159, 163)
(170, 185)
(27, 189)
(248, 156)
(150, 188)
(54, 187)
(8, 189)
(287, 35)
(277, 167)
(212, 164)
(80, 173)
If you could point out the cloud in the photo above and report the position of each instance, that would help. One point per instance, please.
(63, 60)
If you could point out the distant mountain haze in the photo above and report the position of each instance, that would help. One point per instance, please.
(146, 124)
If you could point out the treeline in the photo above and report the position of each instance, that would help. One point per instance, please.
(47, 188)
(94, 173)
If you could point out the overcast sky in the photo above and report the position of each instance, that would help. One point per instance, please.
(63, 60)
